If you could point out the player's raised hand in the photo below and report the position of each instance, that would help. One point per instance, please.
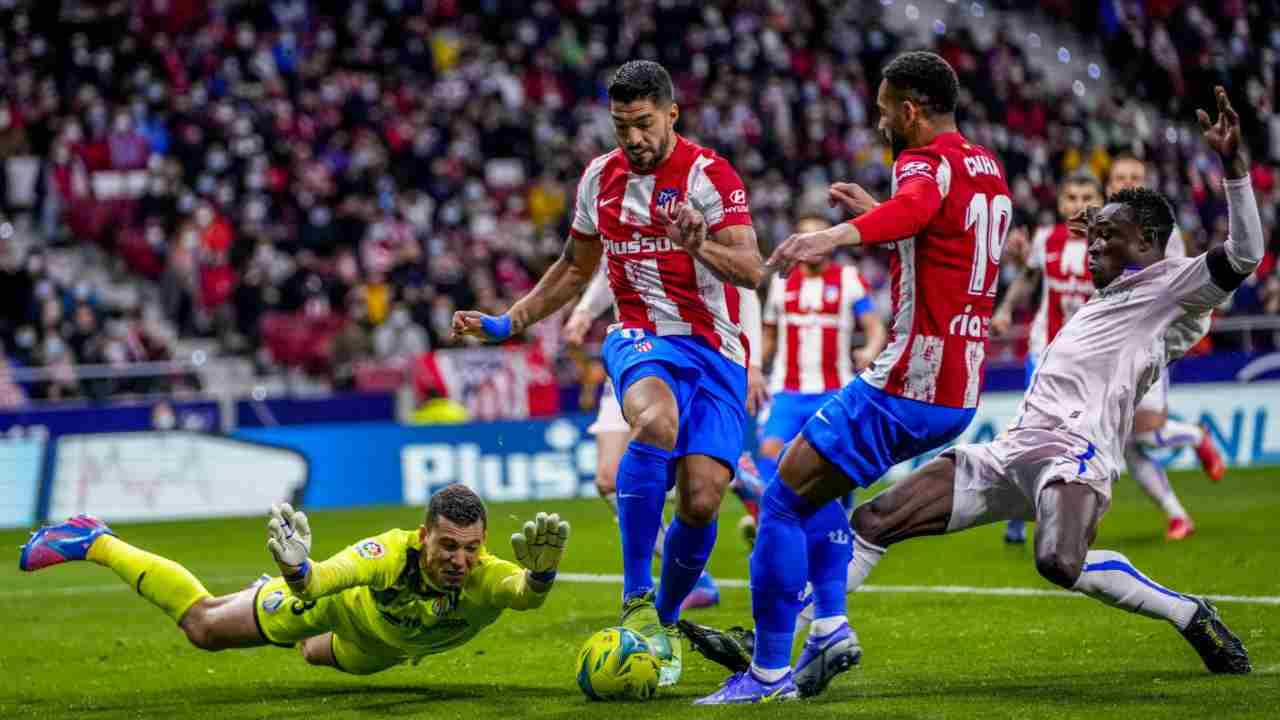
(1078, 224)
(470, 323)
(1223, 135)
(576, 328)
(288, 536)
(684, 225)
(851, 196)
(540, 544)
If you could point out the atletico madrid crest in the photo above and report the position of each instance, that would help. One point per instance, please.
(666, 195)
(643, 346)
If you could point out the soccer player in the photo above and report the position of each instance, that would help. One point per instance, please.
(1056, 262)
(809, 321)
(610, 428)
(398, 596)
(1057, 463)
(1154, 430)
(674, 220)
(947, 221)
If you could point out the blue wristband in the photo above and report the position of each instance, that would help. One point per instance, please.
(497, 328)
(301, 574)
(546, 578)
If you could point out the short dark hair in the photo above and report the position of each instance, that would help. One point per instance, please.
(1083, 178)
(459, 505)
(640, 79)
(926, 79)
(1152, 210)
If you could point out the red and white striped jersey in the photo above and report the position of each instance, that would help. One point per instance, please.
(1063, 262)
(943, 280)
(815, 318)
(657, 286)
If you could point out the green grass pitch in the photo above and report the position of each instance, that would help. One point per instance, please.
(74, 642)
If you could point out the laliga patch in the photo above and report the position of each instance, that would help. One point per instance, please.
(273, 601)
(370, 550)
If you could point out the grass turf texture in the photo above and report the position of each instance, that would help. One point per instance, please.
(104, 653)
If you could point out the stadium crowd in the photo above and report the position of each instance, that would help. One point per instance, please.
(317, 182)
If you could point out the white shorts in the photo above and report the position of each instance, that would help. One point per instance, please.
(1002, 480)
(1157, 397)
(609, 418)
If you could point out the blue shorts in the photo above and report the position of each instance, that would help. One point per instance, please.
(788, 412)
(710, 389)
(865, 431)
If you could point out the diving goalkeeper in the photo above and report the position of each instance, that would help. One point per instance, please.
(394, 597)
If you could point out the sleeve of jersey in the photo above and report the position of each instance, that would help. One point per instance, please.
(375, 561)
(856, 292)
(721, 196)
(1035, 258)
(598, 296)
(585, 216)
(917, 200)
(507, 585)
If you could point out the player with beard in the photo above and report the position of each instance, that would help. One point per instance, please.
(946, 223)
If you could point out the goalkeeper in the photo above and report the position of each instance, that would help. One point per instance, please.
(398, 596)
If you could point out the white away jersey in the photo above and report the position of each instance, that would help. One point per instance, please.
(1093, 374)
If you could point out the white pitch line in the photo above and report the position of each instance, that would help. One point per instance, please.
(724, 583)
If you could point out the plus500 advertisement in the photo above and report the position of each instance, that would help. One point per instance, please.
(385, 463)
(377, 463)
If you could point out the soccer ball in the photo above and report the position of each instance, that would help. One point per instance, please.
(617, 664)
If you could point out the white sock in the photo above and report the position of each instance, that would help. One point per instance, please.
(865, 557)
(611, 499)
(827, 625)
(1173, 434)
(1110, 577)
(1153, 480)
(769, 675)
(661, 540)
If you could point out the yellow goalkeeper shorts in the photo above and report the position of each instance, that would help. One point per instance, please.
(284, 619)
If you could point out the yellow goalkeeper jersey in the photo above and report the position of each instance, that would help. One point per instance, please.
(374, 594)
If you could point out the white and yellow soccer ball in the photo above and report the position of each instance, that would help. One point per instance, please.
(617, 664)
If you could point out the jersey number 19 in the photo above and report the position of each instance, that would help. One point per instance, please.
(989, 220)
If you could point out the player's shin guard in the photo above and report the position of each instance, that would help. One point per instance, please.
(1151, 477)
(163, 582)
(684, 557)
(642, 478)
(1110, 577)
(830, 549)
(779, 569)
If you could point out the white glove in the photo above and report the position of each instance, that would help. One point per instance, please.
(541, 544)
(288, 536)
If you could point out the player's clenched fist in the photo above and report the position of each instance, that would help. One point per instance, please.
(809, 247)
(539, 545)
(470, 323)
(288, 537)
(684, 225)
(852, 197)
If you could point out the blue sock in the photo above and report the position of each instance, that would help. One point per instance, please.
(684, 557)
(830, 543)
(768, 468)
(779, 569)
(642, 479)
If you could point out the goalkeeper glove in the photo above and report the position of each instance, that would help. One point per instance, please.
(289, 540)
(540, 544)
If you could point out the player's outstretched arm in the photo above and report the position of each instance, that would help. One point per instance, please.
(289, 541)
(568, 276)
(1240, 256)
